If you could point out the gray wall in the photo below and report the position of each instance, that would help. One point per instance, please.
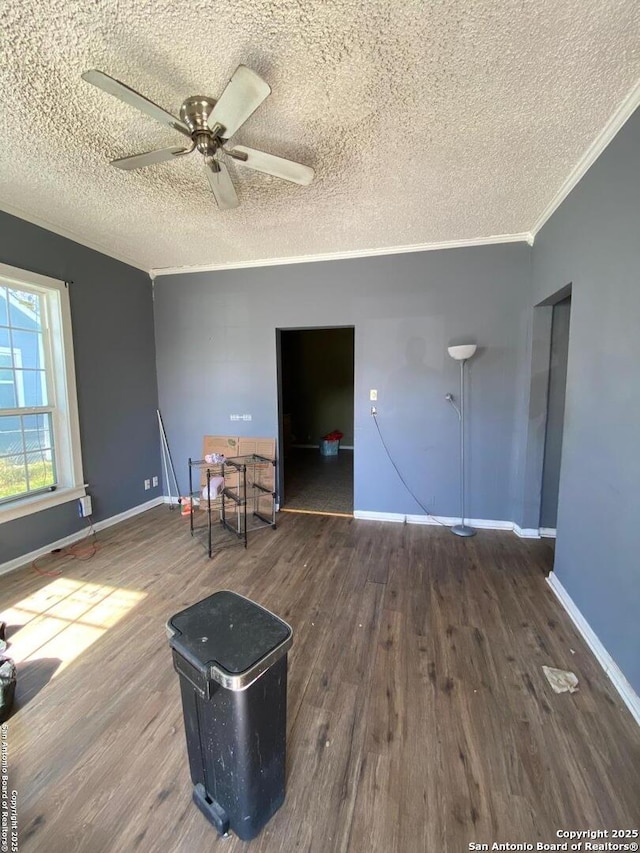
(555, 413)
(216, 355)
(317, 379)
(593, 241)
(112, 316)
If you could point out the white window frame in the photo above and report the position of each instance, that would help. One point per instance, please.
(66, 424)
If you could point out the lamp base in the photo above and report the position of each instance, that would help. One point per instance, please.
(463, 530)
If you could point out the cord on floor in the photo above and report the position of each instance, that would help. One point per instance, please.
(402, 479)
(83, 550)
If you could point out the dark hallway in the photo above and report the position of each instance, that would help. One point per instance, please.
(319, 483)
(316, 398)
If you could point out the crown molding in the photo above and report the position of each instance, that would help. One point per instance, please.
(70, 235)
(624, 111)
(523, 237)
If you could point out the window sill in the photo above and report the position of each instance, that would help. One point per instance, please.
(37, 503)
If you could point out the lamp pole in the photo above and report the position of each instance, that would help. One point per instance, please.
(462, 354)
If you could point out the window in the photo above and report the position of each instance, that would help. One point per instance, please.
(40, 461)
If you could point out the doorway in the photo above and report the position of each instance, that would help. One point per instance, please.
(315, 398)
(560, 323)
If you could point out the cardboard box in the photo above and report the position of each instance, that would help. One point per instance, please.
(261, 446)
(261, 473)
(227, 445)
(233, 446)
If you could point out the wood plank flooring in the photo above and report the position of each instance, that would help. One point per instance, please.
(419, 718)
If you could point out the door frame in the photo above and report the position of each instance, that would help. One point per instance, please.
(280, 413)
(538, 408)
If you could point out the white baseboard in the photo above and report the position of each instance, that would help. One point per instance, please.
(128, 513)
(548, 532)
(480, 523)
(611, 668)
(526, 532)
(365, 515)
(401, 518)
(16, 563)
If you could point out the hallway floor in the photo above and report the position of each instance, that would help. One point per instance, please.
(318, 483)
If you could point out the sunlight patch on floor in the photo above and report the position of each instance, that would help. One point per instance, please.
(62, 619)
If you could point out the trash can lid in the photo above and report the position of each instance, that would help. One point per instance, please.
(231, 637)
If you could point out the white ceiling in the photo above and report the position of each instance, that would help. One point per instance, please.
(426, 122)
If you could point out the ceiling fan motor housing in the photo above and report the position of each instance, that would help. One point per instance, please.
(195, 112)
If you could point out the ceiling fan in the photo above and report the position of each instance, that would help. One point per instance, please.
(209, 124)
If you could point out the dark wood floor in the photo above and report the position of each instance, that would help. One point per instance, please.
(419, 716)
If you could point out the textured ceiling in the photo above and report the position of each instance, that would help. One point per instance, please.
(447, 120)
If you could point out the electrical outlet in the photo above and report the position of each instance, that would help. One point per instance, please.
(84, 506)
(374, 411)
(154, 482)
(147, 485)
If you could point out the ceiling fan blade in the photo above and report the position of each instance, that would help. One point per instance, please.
(288, 170)
(242, 96)
(221, 185)
(138, 161)
(134, 99)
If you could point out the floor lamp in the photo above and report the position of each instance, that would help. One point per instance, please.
(461, 354)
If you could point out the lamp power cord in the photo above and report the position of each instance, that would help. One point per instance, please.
(402, 479)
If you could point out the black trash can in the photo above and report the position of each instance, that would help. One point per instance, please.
(231, 656)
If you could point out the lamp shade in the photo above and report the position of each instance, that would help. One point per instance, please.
(463, 352)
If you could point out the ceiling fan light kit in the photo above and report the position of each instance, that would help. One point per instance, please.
(209, 124)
